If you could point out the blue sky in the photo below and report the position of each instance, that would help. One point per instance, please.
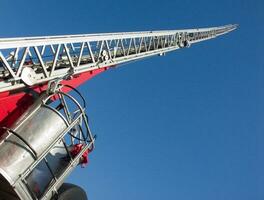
(185, 126)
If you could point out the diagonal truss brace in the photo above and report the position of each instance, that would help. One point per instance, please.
(59, 56)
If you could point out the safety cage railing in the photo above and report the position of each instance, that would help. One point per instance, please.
(53, 137)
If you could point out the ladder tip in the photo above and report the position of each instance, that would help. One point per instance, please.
(234, 26)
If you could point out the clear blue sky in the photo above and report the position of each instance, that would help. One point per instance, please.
(185, 126)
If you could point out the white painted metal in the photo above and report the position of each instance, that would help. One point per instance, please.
(28, 76)
(59, 56)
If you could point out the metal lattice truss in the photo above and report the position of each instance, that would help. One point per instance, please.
(34, 60)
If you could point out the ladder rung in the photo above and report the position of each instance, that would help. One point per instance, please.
(59, 56)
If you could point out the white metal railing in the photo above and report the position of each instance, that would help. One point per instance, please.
(34, 60)
(48, 157)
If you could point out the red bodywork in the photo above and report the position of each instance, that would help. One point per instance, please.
(14, 103)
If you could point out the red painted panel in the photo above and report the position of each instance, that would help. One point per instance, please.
(13, 104)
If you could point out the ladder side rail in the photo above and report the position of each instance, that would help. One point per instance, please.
(49, 40)
(70, 57)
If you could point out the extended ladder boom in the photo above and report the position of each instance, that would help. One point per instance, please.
(35, 60)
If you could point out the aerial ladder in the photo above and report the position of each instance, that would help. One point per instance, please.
(44, 128)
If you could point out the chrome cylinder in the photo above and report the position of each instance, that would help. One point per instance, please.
(38, 127)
